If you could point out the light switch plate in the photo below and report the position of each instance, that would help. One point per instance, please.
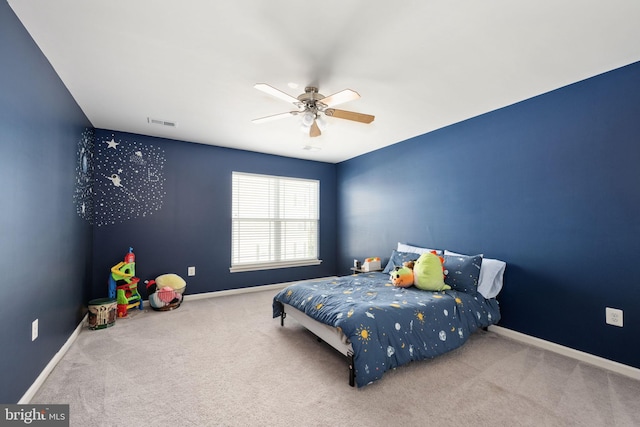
(34, 330)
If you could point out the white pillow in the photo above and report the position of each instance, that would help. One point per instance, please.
(403, 247)
(490, 279)
(491, 274)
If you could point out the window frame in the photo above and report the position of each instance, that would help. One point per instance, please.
(275, 261)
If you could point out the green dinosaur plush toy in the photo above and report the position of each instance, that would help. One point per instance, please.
(428, 273)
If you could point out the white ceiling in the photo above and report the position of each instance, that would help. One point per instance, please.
(418, 65)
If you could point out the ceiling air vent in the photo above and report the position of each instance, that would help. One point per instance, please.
(161, 122)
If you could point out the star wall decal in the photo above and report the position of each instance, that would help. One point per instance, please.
(129, 180)
(83, 195)
(112, 144)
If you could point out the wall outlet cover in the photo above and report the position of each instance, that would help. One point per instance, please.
(614, 316)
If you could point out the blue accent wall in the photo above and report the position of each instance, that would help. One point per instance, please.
(45, 246)
(193, 225)
(550, 185)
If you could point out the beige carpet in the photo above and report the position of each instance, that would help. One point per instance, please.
(225, 362)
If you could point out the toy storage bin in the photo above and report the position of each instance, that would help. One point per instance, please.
(166, 299)
(166, 291)
(102, 313)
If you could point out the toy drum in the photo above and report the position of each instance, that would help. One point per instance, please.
(102, 313)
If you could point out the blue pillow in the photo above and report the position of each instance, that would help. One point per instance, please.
(398, 258)
(462, 272)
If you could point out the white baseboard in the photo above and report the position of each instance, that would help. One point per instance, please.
(260, 288)
(234, 291)
(600, 362)
(26, 398)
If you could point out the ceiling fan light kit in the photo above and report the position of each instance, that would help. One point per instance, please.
(322, 123)
(313, 106)
(307, 118)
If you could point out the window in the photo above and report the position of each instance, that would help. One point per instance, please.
(275, 222)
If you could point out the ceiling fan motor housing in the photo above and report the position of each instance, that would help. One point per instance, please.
(310, 97)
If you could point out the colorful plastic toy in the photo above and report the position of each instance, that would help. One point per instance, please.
(123, 285)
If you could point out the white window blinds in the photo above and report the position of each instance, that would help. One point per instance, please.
(275, 222)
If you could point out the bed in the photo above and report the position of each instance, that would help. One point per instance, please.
(379, 327)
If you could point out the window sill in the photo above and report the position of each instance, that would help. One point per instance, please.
(274, 265)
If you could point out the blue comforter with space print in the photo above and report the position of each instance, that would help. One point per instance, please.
(390, 326)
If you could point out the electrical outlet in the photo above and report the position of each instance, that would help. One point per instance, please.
(191, 271)
(34, 330)
(613, 316)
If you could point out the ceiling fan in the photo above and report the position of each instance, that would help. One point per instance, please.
(312, 106)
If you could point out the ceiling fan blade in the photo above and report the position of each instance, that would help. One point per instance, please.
(274, 117)
(275, 92)
(315, 130)
(340, 97)
(349, 115)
